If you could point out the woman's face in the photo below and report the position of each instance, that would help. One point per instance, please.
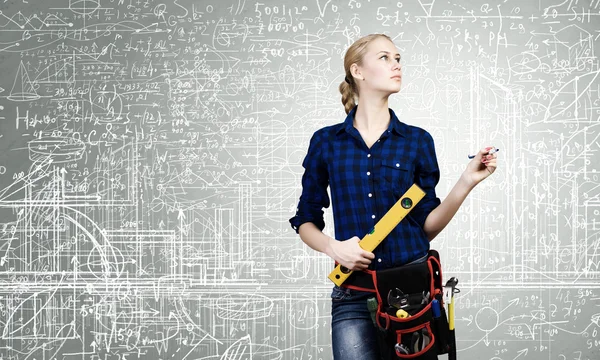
(381, 67)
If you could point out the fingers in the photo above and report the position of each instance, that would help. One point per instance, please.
(364, 257)
(487, 151)
(488, 155)
(489, 159)
(364, 263)
(365, 260)
(359, 267)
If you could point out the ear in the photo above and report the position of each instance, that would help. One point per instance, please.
(355, 71)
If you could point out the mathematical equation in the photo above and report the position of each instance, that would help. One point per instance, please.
(151, 158)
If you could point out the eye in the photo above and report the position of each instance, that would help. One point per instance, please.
(385, 56)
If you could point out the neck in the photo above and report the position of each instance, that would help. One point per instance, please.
(372, 114)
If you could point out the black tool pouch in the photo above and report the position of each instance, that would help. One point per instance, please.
(398, 339)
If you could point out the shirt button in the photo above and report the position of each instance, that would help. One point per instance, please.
(370, 194)
(397, 165)
(379, 260)
(368, 173)
(373, 216)
(368, 155)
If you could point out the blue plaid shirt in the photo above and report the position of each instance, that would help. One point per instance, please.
(366, 182)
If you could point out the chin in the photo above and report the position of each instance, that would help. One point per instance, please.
(395, 89)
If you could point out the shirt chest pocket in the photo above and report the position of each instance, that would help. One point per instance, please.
(397, 174)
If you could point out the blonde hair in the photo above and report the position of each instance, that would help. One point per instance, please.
(354, 54)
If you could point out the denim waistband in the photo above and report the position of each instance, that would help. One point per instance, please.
(419, 260)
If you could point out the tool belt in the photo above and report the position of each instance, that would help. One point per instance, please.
(409, 309)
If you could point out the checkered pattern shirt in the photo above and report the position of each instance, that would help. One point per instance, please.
(366, 182)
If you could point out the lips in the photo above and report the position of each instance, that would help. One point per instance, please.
(397, 77)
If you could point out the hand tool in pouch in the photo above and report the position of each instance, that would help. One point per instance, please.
(449, 291)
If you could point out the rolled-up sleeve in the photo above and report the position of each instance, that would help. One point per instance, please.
(427, 176)
(315, 180)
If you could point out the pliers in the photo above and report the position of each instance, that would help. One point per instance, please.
(420, 340)
(397, 298)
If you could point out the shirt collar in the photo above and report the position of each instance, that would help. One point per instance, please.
(395, 125)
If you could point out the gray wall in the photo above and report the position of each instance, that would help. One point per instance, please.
(151, 157)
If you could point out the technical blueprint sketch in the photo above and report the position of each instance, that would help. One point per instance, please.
(151, 152)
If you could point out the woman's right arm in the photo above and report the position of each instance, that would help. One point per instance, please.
(316, 239)
(348, 253)
(309, 222)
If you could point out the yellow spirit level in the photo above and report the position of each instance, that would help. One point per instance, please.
(383, 227)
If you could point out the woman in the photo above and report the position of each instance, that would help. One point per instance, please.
(369, 161)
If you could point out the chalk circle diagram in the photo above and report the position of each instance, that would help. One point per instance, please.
(59, 149)
(295, 264)
(304, 314)
(84, 7)
(558, 109)
(426, 94)
(107, 107)
(244, 349)
(243, 306)
(486, 319)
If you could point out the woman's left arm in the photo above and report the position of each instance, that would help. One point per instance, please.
(480, 167)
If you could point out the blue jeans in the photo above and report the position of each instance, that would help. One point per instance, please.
(353, 334)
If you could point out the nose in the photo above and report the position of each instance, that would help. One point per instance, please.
(396, 65)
